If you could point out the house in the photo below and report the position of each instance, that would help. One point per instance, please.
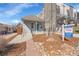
(2, 28)
(5, 28)
(34, 23)
(66, 12)
(51, 17)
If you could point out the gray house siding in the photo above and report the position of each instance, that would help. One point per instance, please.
(35, 25)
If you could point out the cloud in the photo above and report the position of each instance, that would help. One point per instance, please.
(7, 14)
(16, 9)
(7, 21)
(16, 21)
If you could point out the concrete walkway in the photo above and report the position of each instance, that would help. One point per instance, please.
(31, 49)
(26, 35)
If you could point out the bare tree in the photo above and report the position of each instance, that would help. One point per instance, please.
(50, 18)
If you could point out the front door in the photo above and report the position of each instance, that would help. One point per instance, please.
(38, 27)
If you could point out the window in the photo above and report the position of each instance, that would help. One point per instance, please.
(68, 13)
(58, 9)
(31, 25)
(38, 26)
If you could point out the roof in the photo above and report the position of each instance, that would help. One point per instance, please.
(32, 18)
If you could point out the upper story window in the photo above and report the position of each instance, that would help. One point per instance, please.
(58, 9)
(68, 13)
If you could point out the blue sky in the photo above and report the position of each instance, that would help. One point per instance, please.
(13, 12)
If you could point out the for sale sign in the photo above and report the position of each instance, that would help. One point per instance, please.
(68, 31)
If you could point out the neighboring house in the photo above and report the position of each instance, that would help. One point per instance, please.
(66, 12)
(2, 28)
(78, 17)
(11, 28)
(57, 14)
(5, 29)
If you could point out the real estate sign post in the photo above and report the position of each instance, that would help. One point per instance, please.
(63, 32)
(67, 31)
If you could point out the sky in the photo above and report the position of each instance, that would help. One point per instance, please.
(75, 5)
(11, 13)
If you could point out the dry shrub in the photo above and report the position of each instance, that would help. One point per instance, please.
(40, 38)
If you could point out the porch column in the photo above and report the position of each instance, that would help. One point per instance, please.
(36, 26)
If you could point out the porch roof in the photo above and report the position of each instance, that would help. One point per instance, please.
(32, 18)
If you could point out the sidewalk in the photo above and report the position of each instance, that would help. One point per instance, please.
(17, 50)
(32, 49)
